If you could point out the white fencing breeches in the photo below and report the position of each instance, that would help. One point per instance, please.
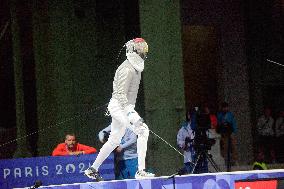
(118, 127)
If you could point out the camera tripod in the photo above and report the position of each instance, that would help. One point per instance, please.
(201, 155)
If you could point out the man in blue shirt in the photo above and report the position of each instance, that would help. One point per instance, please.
(227, 127)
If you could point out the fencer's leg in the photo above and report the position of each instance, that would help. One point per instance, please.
(118, 127)
(142, 132)
(117, 132)
(113, 141)
(142, 140)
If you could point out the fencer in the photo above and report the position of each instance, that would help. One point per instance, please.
(121, 108)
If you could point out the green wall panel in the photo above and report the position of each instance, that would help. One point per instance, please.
(163, 81)
(75, 64)
(23, 151)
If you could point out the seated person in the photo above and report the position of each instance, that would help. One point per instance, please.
(71, 147)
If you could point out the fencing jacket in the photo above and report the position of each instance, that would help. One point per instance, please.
(127, 79)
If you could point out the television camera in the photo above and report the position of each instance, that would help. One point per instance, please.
(202, 125)
(202, 143)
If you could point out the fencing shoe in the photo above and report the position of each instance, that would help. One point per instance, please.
(93, 174)
(143, 174)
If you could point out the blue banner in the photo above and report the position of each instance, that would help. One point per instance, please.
(23, 172)
(224, 180)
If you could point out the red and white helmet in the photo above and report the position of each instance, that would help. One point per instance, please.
(137, 45)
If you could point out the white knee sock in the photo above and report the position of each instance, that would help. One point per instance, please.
(141, 151)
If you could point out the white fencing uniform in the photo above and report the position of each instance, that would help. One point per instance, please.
(121, 106)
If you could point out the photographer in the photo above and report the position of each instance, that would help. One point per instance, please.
(193, 138)
(185, 138)
(202, 143)
(227, 127)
